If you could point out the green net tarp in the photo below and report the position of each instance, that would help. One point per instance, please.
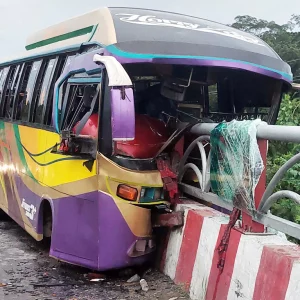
(236, 163)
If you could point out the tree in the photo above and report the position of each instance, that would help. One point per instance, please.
(284, 39)
(278, 154)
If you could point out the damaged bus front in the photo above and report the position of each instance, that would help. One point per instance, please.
(112, 96)
(161, 74)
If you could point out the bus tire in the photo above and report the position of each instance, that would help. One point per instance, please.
(47, 220)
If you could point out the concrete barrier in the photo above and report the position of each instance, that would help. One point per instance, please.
(257, 267)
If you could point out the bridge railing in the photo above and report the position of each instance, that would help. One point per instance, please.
(260, 217)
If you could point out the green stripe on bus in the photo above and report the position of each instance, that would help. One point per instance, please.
(93, 32)
(63, 37)
(21, 152)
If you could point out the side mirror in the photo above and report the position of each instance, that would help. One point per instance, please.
(122, 100)
(122, 114)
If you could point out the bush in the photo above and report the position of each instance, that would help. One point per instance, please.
(278, 154)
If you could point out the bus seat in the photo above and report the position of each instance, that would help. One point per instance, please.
(150, 135)
(90, 128)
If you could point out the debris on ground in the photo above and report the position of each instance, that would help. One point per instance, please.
(134, 278)
(28, 273)
(144, 285)
(93, 276)
(97, 280)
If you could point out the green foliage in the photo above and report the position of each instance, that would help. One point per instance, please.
(284, 39)
(279, 153)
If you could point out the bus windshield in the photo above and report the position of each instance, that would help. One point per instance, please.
(166, 95)
(218, 94)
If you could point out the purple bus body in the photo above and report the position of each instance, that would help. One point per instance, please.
(85, 229)
(85, 225)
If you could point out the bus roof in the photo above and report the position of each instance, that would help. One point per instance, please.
(133, 34)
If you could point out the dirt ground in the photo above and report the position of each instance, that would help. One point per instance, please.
(27, 273)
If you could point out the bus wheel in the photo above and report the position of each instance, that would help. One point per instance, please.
(47, 220)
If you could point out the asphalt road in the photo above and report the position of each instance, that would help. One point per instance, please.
(27, 273)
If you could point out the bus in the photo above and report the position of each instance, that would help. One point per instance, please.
(95, 117)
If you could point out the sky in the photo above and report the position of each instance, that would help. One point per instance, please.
(19, 18)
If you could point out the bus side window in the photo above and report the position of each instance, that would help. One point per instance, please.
(4, 73)
(9, 90)
(37, 90)
(8, 112)
(21, 95)
(40, 108)
(24, 106)
(77, 102)
(48, 105)
(1, 73)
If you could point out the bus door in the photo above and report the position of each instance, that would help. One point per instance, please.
(77, 99)
(85, 90)
(76, 104)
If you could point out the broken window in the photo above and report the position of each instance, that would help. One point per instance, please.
(10, 90)
(80, 100)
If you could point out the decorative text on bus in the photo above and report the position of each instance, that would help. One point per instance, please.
(154, 21)
(30, 209)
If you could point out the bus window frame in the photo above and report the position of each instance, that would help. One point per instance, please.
(33, 92)
(72, 67)
(62, 64)
(1, 73)
(35, 98)
(3, 82)
(59, 67)
(3, 100)
(38, 83)
(22, 77)
(80, 81)
(62, 60)
(45, 93)
(48, 108)
(105, 142)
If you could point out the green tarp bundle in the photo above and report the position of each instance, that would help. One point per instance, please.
(236, 163)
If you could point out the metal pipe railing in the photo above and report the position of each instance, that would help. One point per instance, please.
(275, 180)
(261, 215)
(266, 205)
(281, 133)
